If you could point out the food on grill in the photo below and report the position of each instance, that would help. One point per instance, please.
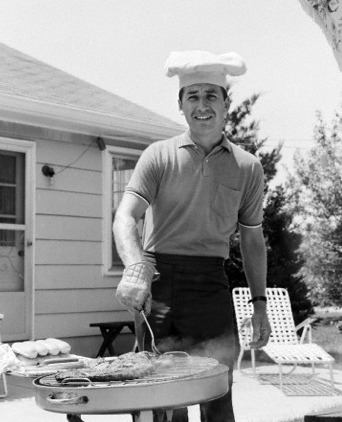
(125, 367)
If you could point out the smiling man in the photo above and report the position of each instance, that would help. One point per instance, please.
(204, 107)
(194, 190)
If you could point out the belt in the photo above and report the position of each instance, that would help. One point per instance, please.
(173, 258)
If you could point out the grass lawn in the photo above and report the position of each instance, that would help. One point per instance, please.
(329, 337)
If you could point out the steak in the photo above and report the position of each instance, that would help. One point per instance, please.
(125, 367)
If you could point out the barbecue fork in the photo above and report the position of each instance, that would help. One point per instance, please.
(153, 344)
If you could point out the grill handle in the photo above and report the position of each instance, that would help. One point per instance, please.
(76, 381)
(60, 399)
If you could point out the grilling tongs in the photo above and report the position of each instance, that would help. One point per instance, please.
(140, 334)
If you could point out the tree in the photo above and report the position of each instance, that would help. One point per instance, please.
(241, 129)
(315, 199)
(282, 243)
(284, 260)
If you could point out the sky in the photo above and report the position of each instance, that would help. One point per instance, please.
(122, 46)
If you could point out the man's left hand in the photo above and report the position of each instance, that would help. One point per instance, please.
(261, 327)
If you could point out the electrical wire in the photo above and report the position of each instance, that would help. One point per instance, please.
(78, 158)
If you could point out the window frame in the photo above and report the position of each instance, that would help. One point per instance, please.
(108, 154)
(18, 184)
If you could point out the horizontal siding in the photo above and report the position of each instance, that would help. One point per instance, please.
(72, 277)
(73, 180)
(75, 324)
(68, 228)
(63, 154)
(68, 252)
(70, 289)
(71, 301)
(68, 203)
(13, 307)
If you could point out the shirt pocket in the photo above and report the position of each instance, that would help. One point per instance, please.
(225, 206)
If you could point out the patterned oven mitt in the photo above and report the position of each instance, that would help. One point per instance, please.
(134, 289)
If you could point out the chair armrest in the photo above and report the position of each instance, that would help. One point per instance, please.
(306, 324)
(307, 321)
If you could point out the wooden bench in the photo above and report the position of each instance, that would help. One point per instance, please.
(110, 331)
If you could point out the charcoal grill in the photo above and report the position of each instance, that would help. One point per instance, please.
(188, 382)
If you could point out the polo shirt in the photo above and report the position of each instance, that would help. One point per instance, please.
(196, 200)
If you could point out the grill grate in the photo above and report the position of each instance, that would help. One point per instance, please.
(181, 368)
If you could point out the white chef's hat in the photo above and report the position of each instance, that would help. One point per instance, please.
(193, 67)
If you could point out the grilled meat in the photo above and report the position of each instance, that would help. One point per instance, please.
(128, 366)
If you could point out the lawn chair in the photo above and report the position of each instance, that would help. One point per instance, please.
(3, 376)
(284, 347)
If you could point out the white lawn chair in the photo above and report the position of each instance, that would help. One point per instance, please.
(284, 346)
(3, 376)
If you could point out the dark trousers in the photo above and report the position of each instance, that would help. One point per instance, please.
(192, 311)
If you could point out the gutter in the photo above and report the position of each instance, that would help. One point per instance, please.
(55, 116)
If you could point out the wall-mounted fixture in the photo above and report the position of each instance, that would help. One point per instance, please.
(101, 143)
(48, 171)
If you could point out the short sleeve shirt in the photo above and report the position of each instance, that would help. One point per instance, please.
(196, 200)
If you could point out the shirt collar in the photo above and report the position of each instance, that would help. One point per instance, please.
(185, 141)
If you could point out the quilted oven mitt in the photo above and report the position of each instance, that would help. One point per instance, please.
(134, 289)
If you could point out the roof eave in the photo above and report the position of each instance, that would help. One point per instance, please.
(55, 116)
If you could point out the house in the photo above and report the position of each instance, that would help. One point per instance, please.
(67, 149)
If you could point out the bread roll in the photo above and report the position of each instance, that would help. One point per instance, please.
(52, 346)
(63, 346)
(25, 348)
(41, 347)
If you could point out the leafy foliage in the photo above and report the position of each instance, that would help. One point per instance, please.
(315, 199)
(282, 243)
(284, 261)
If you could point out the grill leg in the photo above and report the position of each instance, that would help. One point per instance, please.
(74, 418)
(160, 415)
(169, 414)
(143, 416)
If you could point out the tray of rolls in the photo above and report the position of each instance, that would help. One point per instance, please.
(42, 357)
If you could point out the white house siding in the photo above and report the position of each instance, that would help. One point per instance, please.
(70, 290)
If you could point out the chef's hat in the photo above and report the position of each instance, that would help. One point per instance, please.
(193, 67)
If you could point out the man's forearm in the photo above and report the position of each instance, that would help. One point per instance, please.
(253, 250)
(255, 269)
(127, 239)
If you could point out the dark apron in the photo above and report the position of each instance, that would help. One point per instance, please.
(192, 311)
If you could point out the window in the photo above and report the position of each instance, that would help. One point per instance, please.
(119, 166)
(11, 194)
(12, 218)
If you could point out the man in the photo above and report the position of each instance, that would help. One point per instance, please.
(195, 189)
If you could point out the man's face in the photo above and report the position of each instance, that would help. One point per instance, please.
(204, 108)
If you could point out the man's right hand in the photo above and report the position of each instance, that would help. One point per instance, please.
(134, 289)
